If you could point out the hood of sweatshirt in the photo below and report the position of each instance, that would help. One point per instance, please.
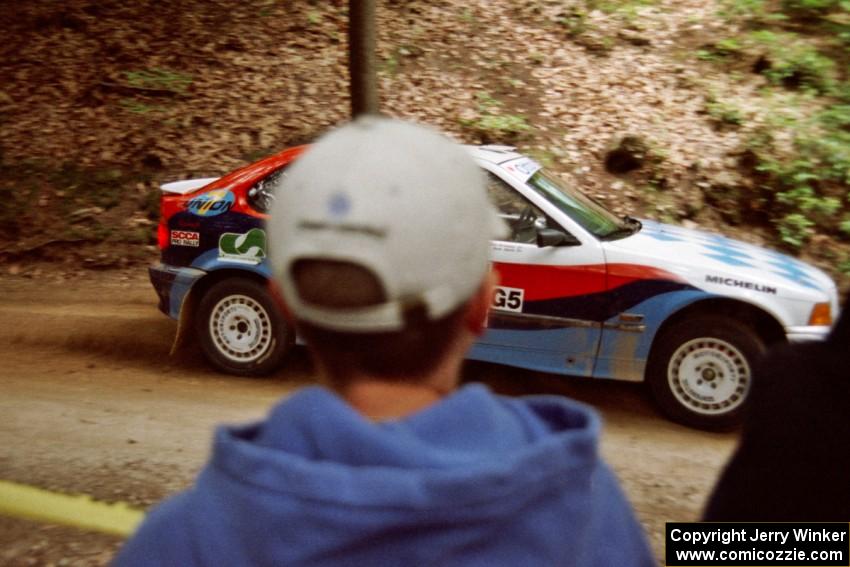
(474, 479)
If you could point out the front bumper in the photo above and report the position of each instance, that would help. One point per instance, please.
(806, 333)
(172, 284)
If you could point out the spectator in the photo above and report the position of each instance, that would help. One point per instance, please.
(379, 242)
(793, 463)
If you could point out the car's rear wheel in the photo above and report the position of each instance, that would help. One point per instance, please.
(700, 371)
(240, 329)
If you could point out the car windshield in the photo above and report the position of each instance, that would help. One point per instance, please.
(590, 215)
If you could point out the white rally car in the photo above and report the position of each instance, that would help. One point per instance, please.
(586, 293)
(582, 292)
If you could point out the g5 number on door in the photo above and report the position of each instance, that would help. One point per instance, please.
(508, 299)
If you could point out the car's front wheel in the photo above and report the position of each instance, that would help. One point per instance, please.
(700, 371)
(240, 329)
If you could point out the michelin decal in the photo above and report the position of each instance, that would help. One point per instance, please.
(248, 248)
(732, 282)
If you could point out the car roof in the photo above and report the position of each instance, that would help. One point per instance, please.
(494, 154)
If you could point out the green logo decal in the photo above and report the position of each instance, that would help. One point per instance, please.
(249, 247)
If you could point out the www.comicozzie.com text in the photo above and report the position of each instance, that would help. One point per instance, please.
(743, 534)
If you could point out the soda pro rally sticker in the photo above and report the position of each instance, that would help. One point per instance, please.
(185, 238)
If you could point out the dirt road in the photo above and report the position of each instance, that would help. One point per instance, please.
(92, 403)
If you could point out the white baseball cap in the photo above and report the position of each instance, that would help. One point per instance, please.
(398, 199)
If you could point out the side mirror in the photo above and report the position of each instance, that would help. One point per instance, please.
(554, 237)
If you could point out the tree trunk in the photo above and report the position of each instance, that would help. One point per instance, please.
(361, 57)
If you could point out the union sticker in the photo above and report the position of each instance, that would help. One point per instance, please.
(211, 204)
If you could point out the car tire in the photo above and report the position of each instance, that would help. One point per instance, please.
(700, 371)
(240, 328)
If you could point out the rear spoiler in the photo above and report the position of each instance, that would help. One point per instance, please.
(187, 186)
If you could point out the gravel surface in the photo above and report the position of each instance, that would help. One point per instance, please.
(93, 404)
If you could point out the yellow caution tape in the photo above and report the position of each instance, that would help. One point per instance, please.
(80, 511)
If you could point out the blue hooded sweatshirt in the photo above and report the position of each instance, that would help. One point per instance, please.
(476, 479)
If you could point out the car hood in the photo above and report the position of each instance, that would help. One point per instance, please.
(701, 257)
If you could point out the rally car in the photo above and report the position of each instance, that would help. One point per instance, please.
(582, 292)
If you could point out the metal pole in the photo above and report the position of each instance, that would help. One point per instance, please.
(361, 57)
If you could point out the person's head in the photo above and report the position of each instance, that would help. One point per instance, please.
(379, 242)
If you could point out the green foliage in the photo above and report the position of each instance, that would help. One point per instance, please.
(35, 190)
(804, 198)
(708, 55)
(159, 79)
(765, 11)
(486, 100)
(19, 192)
(724, 112)
(793, 62)
(794, 229)
(163, 81)
(390, 65)
(803, 66)
(813, 8)
(574, 19)
(493, 125)
(750, 9)
(613, 6)
(574, 22)
(789, 59)
(720, 50)
(840, 27)
(392, 62)
(809, 189)
(506, 126)
(728, 46)
(769, 38)
(139, 107)
(82, 187)
(837, 117)
(830, 154)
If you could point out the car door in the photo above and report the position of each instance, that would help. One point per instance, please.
(545, 310)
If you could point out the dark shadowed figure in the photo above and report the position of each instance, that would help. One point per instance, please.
(793, 461)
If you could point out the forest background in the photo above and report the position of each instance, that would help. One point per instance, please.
(726, 115)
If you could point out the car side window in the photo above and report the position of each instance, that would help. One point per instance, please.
(261, 195)
(522, 217)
